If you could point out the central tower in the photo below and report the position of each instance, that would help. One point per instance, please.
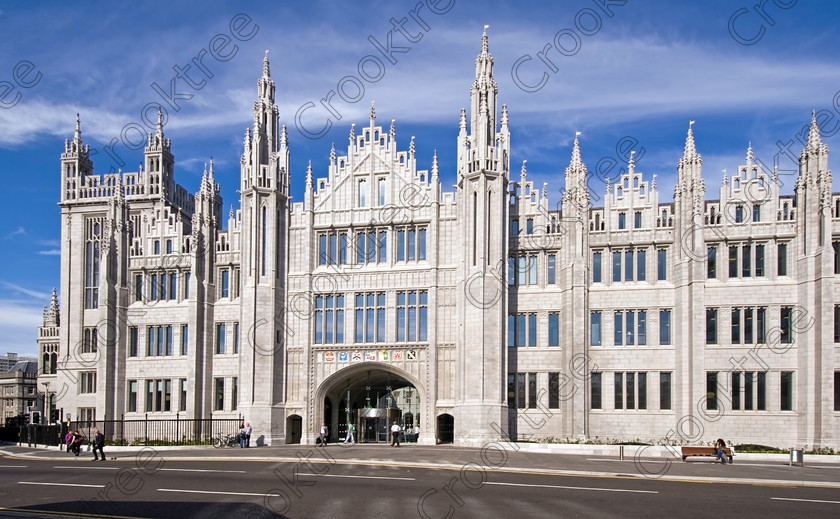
(483, 167)
(265, 209)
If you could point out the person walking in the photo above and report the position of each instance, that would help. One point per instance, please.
(395, 434)
(98, 443)
(323, 434)
(350, 430)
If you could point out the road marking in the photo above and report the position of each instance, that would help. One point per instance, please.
(573, 488)
(205, 470)
(805, 500)
(41, 513)
(88, 467)
(59, 484)
(355, 477)
(183, 491)
(13, 466)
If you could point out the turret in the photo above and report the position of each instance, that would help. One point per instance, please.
(75, 164)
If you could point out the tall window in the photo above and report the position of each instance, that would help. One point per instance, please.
(412, 315)
(138, 287)
(637, 220)
(132, 341)
(371, 246)
(664, 327)
(756, 213)
(225, 283)
(622, 220)
(595, 390)
(785, 314)
(596, 267)
(733, 261)
(595, 328)
(332, 248)
(182, 403)
(132, 396)
(220, 338)
(781, 260)
(661, 264)
(362, 193)
(370, 317)
(711, 390)
(665, 390)
(93, 236)
(786, 391)
(234, 395)
(185, 339)
(87, 382)
(219, 394)
(759, 260)
(640, 265)
(551, 274)
(711, 262)
(382, 183)
(554, 391)
(554, 329)
(329, 319)
(711, 326)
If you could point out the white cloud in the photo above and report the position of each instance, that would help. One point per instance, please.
(50, 252)
(20, 322)
(43, 296)
(20, 231)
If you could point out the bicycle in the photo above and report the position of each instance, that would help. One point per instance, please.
(226, 440)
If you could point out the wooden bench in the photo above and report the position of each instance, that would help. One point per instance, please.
(704, 451)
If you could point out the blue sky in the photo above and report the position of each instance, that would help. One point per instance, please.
(640, 70)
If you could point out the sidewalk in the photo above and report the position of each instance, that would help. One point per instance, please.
(572, 460)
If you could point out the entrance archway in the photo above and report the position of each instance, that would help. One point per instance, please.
(371, 396)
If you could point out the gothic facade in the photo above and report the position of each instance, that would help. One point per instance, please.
(472, 314)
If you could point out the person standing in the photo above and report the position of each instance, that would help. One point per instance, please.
(720, 447)
(416, 433)
(323, 434)
(247, 434)
(242, 435)
(98, 442)
(395, 434)
(350, 430)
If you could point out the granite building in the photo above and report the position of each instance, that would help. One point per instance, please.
(474, 314)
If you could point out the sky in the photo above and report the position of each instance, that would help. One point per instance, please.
(626, 74)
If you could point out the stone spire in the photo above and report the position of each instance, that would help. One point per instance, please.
(523, 173)
(266, 67)
(690, 151)
(750, 156)
(576, 173)
(309, 182)
(51, 314)
(435, 166)
(393, 131)
(411, 147)
(372, 112)
(352, 134)
(332, 154)
(631, 164)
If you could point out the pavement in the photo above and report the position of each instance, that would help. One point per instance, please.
(637, 462)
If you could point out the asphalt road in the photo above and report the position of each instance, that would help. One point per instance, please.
(321, 486)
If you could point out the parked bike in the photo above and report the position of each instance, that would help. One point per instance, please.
(226, 440)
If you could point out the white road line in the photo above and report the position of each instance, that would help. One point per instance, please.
(806, 500)
(183, 491)
(59, 484)
(13, 466)
(205, 470)
(574, 488)
(88, 467)
(352, 476)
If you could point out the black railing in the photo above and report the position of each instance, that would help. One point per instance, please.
(128, 431)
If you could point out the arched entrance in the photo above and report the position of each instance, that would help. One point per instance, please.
(372, 397)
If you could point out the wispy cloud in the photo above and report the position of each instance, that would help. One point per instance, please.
(45, 296)
(19, 321)
(20, 231)
(50, 252)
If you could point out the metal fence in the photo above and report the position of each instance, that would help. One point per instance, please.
(133, 431)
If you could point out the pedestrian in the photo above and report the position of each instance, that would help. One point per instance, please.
(98, 443)
(350, 430)
(416, 433)
(76, 444)
(242, 435)
(720, 447)
(68, 440)
(247, 434)
(395, 434)
(323, 434)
